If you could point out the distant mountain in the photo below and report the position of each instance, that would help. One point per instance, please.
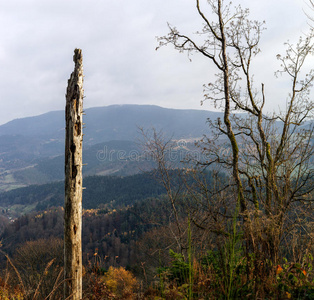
(121, 122)
(115, 122)
(31, 148)
(48, 126)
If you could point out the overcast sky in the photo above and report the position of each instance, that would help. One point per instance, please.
(118, 40)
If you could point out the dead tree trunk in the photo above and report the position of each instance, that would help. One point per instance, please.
(73, 182)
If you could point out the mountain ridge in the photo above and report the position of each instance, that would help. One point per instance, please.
(27, 144)
(53, 123)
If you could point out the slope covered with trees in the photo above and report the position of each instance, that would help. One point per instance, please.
(100, 191)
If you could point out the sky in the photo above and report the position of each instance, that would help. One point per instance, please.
(118, 40)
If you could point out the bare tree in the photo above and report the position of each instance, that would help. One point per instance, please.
(311, 7)
(157, 148)
(194, 196)
(270, 154)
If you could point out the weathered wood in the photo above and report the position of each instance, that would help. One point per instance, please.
(73, 182)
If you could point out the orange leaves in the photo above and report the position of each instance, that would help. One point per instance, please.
(279, 269)
(121, 282)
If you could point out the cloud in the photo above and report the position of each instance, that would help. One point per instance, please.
(118, 39)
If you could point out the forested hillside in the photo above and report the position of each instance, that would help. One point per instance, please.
(113, 232)
(100, 190)
(118, 213)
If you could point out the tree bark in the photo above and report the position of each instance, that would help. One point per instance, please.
(73, 182)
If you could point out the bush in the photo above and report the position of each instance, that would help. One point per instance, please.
(121, 282)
